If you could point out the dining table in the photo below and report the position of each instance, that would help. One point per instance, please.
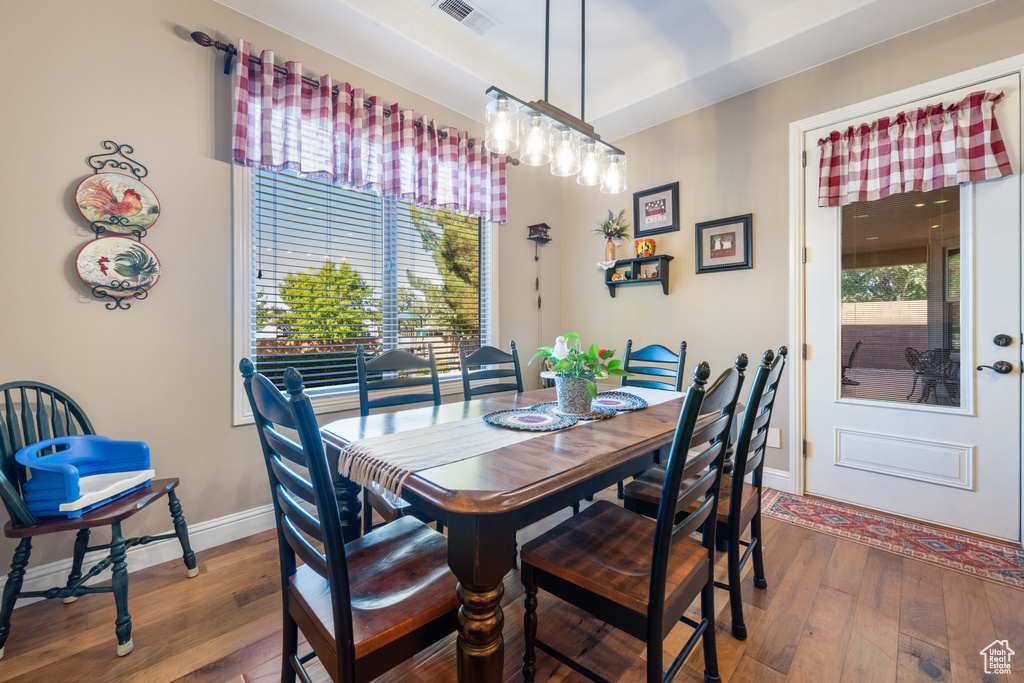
(485, 498)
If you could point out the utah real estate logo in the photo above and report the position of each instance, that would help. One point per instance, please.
(997, 657)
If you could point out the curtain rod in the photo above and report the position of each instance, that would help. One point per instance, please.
(230, 50)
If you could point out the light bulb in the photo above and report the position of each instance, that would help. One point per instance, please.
(565, 152)
(501, 128)
(536, 137)
(590, 164)
(613, 179)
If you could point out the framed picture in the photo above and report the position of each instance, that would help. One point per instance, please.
(725, 244)
(656, 210)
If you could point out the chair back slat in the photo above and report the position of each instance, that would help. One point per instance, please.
(396, 361)
(655, 353)
(292, 481)
(489, 355)
(271, 403)
(57, 419)
(754, 462)
(303, 548)
(709, 430)
(28, 425)
(42, 420)
(750, 445)
(284, 447)
(293, 521)
(695, 520)
(298, 515)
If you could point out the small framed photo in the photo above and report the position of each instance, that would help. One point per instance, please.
(725, 244)
(656, 210)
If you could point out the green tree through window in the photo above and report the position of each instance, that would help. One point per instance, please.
(888, 283)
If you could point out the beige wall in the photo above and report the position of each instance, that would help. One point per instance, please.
(161, 372)
(732, 158)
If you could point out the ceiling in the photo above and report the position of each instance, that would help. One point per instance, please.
(647, 61)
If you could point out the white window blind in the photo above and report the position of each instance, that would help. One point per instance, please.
(334, 268)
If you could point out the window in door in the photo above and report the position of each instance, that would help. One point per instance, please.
(900, 299)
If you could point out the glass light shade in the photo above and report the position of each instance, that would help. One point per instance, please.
(536, 137)
(501, 126)
(565, 152)
(590, 163)
(613, 179)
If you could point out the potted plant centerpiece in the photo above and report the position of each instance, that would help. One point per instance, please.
(614, 228)
(575, 371)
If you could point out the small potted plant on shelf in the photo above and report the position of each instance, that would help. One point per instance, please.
(614, 228)
(575, 371)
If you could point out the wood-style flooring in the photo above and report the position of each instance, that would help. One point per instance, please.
(834, 611)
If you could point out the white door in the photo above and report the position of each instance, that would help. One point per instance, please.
(904, 299)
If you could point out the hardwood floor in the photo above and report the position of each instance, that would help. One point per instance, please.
(833, 611)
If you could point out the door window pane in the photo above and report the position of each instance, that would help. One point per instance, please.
(900, 298)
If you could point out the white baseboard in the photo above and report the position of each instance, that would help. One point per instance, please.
(777, 479)
(201, 536)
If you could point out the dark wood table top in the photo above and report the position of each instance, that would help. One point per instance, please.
(515, 476)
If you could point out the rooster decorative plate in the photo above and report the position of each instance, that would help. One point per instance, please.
(118, 266)
(529, 420)
(118, 202)
(618, 400)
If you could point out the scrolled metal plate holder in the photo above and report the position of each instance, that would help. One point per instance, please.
(117, 157)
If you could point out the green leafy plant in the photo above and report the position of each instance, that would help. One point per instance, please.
(591, 364)
(614, 227)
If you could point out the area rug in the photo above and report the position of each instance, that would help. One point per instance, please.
(986, 560)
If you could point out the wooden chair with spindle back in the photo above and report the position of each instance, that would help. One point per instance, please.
(32, 413)
(406, 370)
(652, 376)
(366, 606)
(637, 574)
(489, 355)
(643, 494)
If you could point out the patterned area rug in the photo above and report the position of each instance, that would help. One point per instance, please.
(983, 559)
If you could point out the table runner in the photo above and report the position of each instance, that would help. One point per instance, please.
(389, 460)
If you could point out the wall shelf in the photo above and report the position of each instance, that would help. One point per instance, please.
(634, 264)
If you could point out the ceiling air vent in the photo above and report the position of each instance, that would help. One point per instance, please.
(466, 14)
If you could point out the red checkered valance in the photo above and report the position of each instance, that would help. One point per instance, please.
(922, 149)
(355, 141)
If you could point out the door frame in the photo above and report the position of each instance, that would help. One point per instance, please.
(797, 231)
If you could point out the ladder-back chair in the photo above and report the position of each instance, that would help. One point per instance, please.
(36, 413)
(407, 371)
(744, 502)
(643, 494)
(638, 364)
(364, 607)
(637, 574)
(489, 355)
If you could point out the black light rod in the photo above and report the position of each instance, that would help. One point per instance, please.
(583, 59)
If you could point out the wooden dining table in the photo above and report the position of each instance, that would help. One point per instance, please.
(484, 499)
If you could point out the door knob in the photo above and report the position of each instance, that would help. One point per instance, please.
(1000, 366)
(1002, 340)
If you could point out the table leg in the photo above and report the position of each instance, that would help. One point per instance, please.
(481, 552)
(347, 493)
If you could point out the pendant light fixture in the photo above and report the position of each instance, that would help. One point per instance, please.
(549, 134)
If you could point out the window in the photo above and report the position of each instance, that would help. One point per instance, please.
(327, 269)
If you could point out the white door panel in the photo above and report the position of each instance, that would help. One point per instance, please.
(950, 454)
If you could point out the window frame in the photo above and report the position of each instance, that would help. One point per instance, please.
(324, 400)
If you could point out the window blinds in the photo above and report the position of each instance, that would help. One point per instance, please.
(334, 268)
